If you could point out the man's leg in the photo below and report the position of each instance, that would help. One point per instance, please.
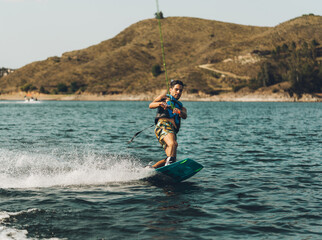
(170, 150)
(159, 164)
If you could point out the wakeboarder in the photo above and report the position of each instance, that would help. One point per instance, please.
(170, 111)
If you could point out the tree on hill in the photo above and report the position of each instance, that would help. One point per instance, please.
(266, 77)
(43, 90)
(156, 70)
(28, 87)
(62, 87)
(306, 78)
(304, 70)
(298, 65)
(159, 15)
(74, 86)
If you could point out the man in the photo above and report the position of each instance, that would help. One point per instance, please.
(168, 119)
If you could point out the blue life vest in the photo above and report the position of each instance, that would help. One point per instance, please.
(161, 113)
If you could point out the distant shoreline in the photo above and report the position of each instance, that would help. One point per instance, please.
(226, 97)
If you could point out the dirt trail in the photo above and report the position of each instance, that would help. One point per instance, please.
(229, 74)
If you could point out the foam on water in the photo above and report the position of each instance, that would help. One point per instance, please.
(29, 170)
(12, 233)
(7, 233)
(20, 102)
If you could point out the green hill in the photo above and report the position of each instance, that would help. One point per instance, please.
(124, 63)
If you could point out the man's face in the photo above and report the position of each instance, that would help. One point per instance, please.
(176, 91)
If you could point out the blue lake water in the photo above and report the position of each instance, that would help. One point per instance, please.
(67, 172)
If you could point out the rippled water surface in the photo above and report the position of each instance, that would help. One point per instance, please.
(67, 172)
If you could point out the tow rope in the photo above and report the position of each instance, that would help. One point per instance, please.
(158, 16)
(163, 54)
(162, 47)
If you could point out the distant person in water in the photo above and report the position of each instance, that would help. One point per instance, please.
(169, 113)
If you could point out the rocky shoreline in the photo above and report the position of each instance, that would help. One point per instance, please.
(225, 97)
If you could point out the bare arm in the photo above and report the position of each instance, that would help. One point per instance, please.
(182, 113)
(160, 101)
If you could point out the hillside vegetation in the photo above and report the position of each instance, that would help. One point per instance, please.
(124, 63)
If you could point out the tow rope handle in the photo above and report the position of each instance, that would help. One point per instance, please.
(179, 112)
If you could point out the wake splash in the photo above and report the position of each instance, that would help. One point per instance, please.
(32, 170)
(12, 233)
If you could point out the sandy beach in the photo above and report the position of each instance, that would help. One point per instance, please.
(225, 97)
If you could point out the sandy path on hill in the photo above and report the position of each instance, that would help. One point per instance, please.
(229, 74)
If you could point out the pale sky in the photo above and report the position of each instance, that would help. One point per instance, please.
(33, 30)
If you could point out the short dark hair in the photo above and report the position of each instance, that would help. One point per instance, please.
(175, 82)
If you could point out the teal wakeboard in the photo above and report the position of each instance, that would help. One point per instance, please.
(180, 170)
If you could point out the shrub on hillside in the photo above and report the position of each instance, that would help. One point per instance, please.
(255, 83)
(78, 86)
(43, 90)
(156, 70)
(193, 90)
(74, 86)
(28, 87)
(236, 88)
(62, 87)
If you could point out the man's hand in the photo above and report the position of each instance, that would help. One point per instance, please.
(177, 111)
(164, 105)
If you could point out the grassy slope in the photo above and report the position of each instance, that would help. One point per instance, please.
(123, 64)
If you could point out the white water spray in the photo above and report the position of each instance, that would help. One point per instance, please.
(30, 170)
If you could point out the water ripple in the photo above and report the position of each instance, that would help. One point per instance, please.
(71, 162)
